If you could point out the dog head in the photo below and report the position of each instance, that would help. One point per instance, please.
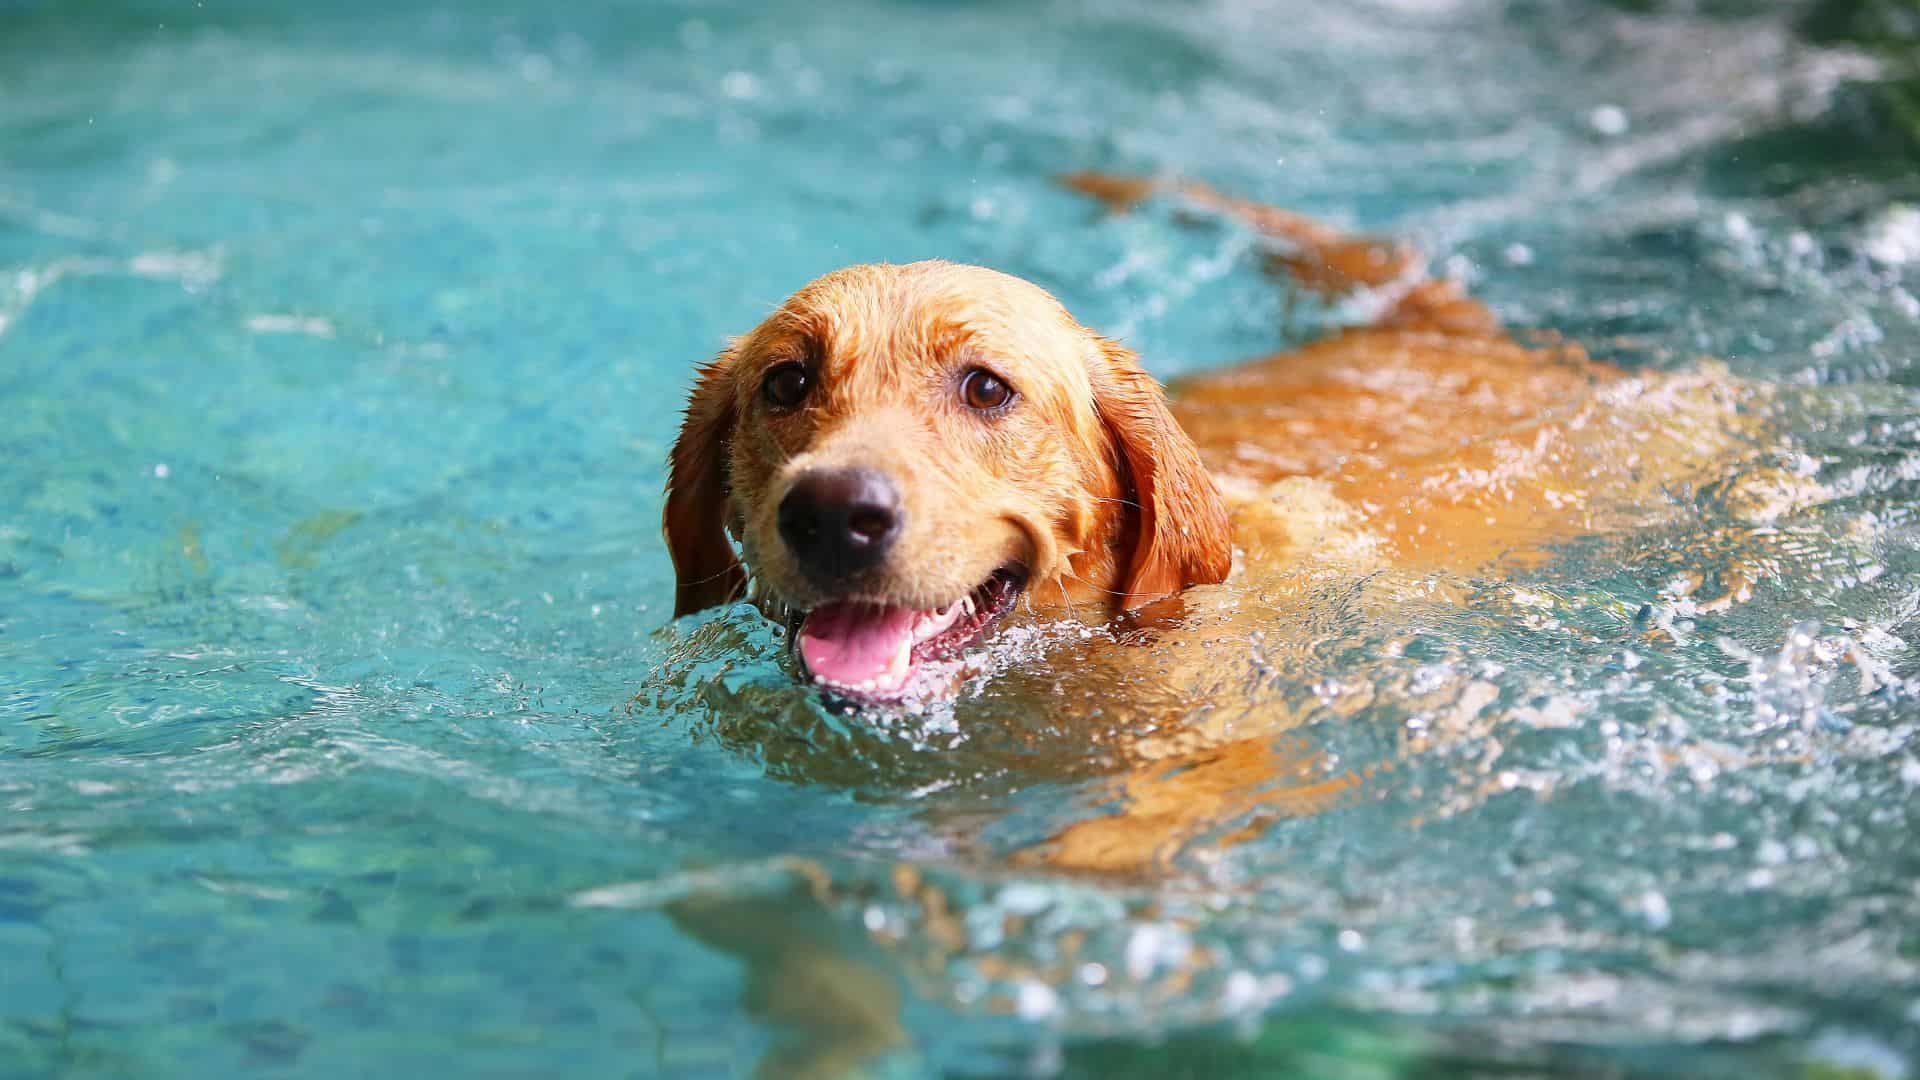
(904, 452)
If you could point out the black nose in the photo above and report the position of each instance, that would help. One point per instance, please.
(840, 521)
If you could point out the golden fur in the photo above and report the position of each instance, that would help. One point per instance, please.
(1425, 439)
(1089, 482)
(1427, 442)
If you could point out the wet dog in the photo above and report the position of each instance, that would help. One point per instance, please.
(906, 455)
(902, 459)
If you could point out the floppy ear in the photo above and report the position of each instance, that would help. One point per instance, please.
(706, 571)
(1182, 533)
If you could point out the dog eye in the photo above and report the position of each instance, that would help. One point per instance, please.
(786, 385)
(983, 390)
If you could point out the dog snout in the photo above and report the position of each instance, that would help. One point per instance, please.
(839, 522)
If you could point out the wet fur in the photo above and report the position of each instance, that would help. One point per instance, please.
(1087, 481)
(1424, 442)
(1426, 439)
(1395, 455)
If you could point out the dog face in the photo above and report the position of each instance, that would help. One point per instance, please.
(905, 452)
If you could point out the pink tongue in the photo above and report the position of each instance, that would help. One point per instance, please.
(852, 643)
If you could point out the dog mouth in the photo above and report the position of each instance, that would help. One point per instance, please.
(869, 652)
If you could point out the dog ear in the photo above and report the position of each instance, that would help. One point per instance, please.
(707, 573)
(1182, 537)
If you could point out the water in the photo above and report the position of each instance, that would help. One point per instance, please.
(342, 726)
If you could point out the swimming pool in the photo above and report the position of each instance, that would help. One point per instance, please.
(343, 728)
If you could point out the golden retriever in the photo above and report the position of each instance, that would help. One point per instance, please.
(908, 454)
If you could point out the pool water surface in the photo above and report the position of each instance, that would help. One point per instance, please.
(345, 730)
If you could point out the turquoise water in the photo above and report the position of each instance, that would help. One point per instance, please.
(343, 729)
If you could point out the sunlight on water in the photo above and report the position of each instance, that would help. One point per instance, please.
(343, 727)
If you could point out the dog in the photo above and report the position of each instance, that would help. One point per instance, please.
(906, 455)
(910, 456)
(902, 459)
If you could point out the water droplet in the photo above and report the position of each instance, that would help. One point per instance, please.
(1034, 1000)
(1654, 908)
(1608, 120)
